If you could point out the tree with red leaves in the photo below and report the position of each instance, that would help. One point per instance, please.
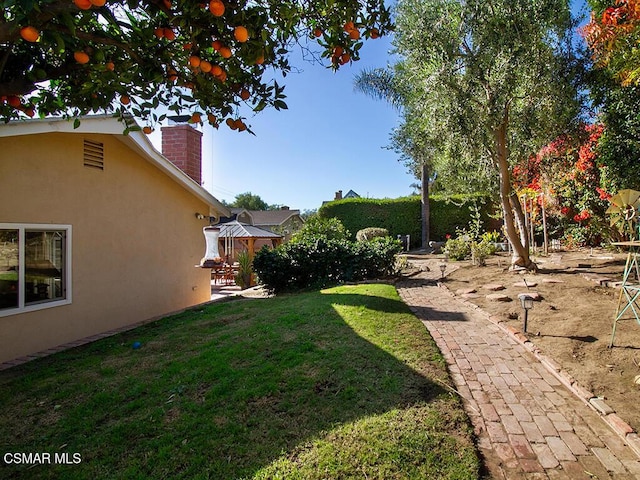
(613, 35)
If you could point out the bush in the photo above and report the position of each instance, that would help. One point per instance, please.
(457, 248)
(316, 227)
(322, 262)
(481, 250)
(370, 233)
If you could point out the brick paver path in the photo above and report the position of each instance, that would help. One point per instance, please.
(528, 424)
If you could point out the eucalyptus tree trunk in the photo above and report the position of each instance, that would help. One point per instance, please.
(426, 206)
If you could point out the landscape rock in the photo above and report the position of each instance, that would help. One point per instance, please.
(494, 287)
(535, 296)
(498, 297)
(465, 291)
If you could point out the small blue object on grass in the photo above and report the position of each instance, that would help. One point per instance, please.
(136, 345)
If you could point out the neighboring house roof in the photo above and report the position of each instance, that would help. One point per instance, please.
(351, 194)
(267, 217)
(241, 230)
(137, 141)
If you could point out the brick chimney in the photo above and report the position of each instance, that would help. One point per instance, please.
(338, 195)
(182, 144)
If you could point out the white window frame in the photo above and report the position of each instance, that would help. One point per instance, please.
(41, 227)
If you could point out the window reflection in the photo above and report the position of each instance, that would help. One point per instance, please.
(43, 258)
(9, 255)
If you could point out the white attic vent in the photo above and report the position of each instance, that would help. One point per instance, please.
(94, 154)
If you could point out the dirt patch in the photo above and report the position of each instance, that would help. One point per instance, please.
(572, 322)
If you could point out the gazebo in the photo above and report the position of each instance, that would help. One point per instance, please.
(236, 236)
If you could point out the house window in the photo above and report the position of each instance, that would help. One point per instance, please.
(35, 267)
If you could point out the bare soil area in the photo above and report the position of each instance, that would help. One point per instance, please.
(572, 323)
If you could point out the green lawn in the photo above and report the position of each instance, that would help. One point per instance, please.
(343, 383)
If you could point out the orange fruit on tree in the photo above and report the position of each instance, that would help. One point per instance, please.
(110, 66)
(194, 61)
(337, 51)
(349, 26)
(167, 4)
(159, 32)
(147, 130)
(354, 34)
(374, 33)
(212, 118)
(125, 100)
(29, 112)
(241, 34)
(172, 75)
(344, 58)
(317, 32)
(225, 52)
(231, 123)
(81, 57)
(245, 94)
(83, 4)
(222, 77)
(187, 46)
(240, 125)
(30, 34)
(13, 101)
(98, 3)
(195, 118)
(216, 70)
(205, 66)
(260, 59)
(217, 45)
(216, 7)
(169, 34)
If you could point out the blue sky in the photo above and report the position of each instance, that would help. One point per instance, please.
(330, 138)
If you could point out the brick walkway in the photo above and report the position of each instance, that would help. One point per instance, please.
(528, 424)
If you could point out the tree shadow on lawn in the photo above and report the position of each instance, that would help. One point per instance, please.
(225, 391)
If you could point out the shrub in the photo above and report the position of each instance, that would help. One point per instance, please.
(481, 250)
(245, 270)
(320, 262)
(316, 227)
(370, 233)
(458, 248)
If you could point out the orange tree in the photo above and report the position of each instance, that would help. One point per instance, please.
(139, 57)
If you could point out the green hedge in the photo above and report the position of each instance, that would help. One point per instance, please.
(401, 216)
(323, 262)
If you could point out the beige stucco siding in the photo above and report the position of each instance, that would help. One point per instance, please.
(135, 237)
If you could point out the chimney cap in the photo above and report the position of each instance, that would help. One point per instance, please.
(179, 118)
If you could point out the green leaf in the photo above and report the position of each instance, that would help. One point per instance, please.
(280, 105)
(69, 22)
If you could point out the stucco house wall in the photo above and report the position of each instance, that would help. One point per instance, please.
(135, 236)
